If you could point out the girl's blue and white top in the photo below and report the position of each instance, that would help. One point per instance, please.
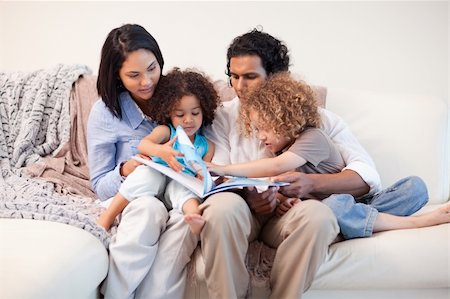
(200, 146)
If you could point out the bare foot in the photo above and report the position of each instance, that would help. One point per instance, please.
(435, 217)
(196, 223)
(104, 222)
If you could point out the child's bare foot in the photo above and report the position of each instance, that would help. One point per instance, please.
(435, 217)
(196, 223)
(103, 222)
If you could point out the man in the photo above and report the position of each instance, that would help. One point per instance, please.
(302, 236)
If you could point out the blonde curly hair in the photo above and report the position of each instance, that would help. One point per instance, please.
(283, 104)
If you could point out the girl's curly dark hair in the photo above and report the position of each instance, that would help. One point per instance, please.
(177, 84)
(283, 104)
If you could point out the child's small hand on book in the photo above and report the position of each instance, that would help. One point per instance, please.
(285, 205)
(199, 175)
(169, 155)
(215, 170)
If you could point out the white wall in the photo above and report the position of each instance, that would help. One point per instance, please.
(381, 46)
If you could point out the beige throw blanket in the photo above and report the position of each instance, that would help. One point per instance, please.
(68, 168)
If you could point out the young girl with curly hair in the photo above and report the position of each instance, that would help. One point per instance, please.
(283, 114)
(182, 98)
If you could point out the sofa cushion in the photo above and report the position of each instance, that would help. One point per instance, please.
(47, 259)
(389, 260)
(405, 135)
(393, 260)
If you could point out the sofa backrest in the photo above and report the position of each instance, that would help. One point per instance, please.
(405, 135)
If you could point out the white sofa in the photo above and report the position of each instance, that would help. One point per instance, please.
(406, 135)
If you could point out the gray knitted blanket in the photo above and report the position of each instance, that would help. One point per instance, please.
(35, 122)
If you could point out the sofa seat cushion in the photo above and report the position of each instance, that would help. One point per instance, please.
(47, 259)
(393, 260)
(402, 259)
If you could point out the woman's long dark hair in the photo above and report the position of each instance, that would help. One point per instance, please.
(119, 43)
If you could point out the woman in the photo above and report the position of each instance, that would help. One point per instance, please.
(130, 68)
(188, 100)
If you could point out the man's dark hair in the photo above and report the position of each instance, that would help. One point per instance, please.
(273, 52)
(119, 43)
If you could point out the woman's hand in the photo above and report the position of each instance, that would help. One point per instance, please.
(130, 165)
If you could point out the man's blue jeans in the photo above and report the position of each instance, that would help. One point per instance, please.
(356, 218)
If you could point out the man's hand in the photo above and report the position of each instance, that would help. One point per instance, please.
(322, 185)
(301, 185)
(261, 203)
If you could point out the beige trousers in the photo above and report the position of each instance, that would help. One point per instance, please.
(133, 248)
(302, 237)
(149, 252)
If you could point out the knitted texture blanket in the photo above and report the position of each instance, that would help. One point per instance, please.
(35, 123)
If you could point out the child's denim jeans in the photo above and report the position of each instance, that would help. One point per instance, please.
(356, 218)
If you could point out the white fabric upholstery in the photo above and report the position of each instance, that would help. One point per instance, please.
(388, 263)
(49, 260)
(400, 259)
(406, 135)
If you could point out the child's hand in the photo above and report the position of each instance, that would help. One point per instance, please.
(215, 170)
(285, 205)
(169, 155)
(199, 175)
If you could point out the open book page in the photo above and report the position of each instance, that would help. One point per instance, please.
(192, 159)
(192, 183)
(261, 184)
